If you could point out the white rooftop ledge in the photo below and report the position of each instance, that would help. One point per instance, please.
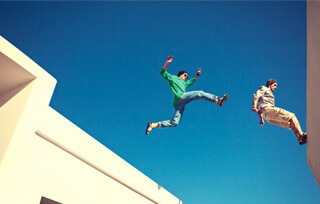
(45, 158)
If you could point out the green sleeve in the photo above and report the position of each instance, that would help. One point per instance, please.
(190, 82)
(165, 74)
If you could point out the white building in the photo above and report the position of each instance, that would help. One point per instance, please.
(313, 87)
(45, 158)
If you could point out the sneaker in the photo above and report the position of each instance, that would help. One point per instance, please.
(222, 99)
(302, 139)
(149, 128)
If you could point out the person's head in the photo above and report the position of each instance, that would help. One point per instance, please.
(272, 84)
(183, 75)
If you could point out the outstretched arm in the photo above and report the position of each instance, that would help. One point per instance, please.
(168, 61)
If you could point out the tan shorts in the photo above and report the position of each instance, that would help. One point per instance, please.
(277, 116)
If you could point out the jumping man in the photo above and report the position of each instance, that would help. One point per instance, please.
(263, 103)
(178, 85)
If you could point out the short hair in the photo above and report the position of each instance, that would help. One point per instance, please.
(182, 72)
(270, 81)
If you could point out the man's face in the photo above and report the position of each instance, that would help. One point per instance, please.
(184, 76)
(273, 86)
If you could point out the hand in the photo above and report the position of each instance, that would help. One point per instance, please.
(261, 122)
(254, 109)
(169, 59)
(199, 71)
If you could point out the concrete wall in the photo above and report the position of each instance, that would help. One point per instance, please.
(42, 154)
(313, 87)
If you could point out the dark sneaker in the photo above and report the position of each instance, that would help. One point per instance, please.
(149, 128)
(302, 139)
(223, 99)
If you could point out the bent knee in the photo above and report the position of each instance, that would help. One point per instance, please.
(201, 93)
(174, 123)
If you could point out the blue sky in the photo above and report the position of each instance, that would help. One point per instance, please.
(106, 57)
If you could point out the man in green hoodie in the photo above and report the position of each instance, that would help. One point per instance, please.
(178, 85)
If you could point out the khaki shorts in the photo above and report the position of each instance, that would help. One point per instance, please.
(277, 116)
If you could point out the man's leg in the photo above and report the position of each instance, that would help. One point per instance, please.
(187, 97)
(283, 118)
(295, 126)
(175, 120)
(278, 116)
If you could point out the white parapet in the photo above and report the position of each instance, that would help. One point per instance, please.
(45, 158)
(313, 87)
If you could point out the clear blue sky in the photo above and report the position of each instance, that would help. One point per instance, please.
(106, 57)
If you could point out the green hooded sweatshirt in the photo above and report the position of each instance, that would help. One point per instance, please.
(177, 85)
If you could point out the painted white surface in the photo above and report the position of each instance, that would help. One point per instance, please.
(313, 87)
(44, 154)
